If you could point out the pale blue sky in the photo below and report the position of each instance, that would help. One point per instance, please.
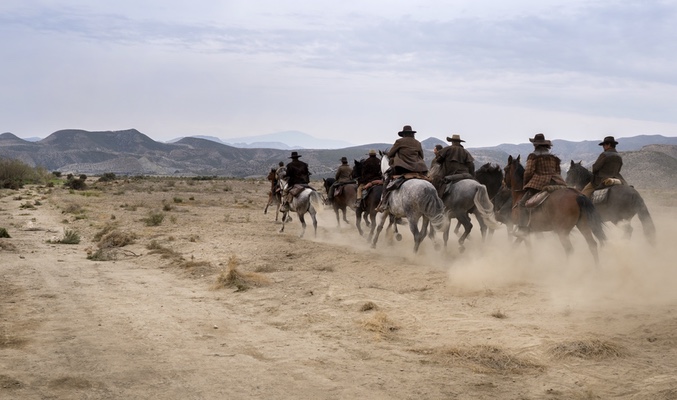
(492, 71)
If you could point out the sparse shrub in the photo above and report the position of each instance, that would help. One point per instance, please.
(27, 205)
(76, 183)
(15, 173)
(101, 255)
(178, 200)
(154, 218)
(4, 233)
(107, 177)
(69, 237)
(242, 281)
(56, 174)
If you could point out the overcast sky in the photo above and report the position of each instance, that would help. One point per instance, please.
(492, 71)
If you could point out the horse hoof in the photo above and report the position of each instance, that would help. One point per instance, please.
(398, 237)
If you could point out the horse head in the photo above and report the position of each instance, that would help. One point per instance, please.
(357, 169)
(514, 173)
(578, 176)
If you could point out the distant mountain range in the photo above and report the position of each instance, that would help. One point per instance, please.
(130, 152)
(287, 140)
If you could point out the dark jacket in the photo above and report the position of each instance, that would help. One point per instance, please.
(455, 159)
(371, 170)
(608, 165)
(542, 169)
(407, 154)
(297, 172)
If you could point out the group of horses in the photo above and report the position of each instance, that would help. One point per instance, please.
(491, 197)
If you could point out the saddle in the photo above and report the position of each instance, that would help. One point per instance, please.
(338, 189)
(298, 188)
(457, 177)
(538, 199)
(398, 180)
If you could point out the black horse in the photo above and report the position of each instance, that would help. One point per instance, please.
(491, 176)
(367, 206)
(622, 203)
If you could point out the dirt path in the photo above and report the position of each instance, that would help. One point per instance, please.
(330, 317)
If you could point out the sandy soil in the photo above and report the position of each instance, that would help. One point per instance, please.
(323, 317)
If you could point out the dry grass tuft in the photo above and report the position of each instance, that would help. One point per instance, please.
(380, 324)
(368, 306)
(243, 281)
(116, 238)
(164, 252)
(499, 314)
(481, 359)
(593, 349)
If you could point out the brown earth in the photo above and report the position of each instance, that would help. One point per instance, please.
(214, 303)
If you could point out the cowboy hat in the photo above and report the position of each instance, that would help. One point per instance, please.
(609, 139)
(539, 140)
(294, 154)
(371, 153)
(406, 130)
(344, 160)
(455, 138)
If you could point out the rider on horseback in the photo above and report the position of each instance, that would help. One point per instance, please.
(371, 171)
(405, 156)
(453, 160)
(608, 165)
(344, 174)
(542, 169)
(297, 173)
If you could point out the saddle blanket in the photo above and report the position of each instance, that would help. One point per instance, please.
(599, 196)
(398, 180)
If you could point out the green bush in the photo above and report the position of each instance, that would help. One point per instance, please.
(14, 174)
(4, 233)
(154, 219)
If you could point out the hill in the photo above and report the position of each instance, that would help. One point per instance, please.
(130, 152)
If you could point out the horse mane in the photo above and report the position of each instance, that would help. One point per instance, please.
(578, 175)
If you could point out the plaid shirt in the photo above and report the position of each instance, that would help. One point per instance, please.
(542, 170)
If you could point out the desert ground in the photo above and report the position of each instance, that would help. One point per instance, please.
(185, 289)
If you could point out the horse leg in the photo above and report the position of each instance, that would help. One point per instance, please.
(338, 218)
(284, 219)
(303, 224)
(345, 219)
(313, 216)
(483, 226)
(458, 226)
(464, 219)
(566, 243)
(379, 228)
(418, 237)
(372, 226)
(589, 238)
(358, 220)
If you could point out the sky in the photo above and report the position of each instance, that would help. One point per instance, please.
(355, 70)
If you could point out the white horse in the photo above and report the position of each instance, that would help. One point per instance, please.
(416, 199)
(304, 202)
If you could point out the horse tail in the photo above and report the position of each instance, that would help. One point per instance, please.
(644, 216)
(316, 199)
(592, 216)
(485, 208)
(433, 209)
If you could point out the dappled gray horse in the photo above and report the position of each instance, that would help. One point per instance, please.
(415, 200)
(304, 202)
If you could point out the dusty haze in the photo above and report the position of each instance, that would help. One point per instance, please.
(325, 317)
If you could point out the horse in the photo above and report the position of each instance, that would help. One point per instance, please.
(560, 212)
(622, 203)
(367, 207)
(344, 197)
(460, 199)
(302, 203)
(275, 195)
(415, 199)
(491, 176)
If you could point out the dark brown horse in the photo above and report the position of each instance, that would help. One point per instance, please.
(344, 197)
(621, 204)
(491, 176)
(368, 205)
(561, 211)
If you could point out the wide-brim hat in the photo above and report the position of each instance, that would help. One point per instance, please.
(406, 130)
(371, 153)
(539, 140)
(294, 154)
(609, 139)
(455, 138)
(344, 160)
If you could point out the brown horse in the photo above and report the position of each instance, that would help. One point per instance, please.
(561, 211)
(344, 197)
(275, 194)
